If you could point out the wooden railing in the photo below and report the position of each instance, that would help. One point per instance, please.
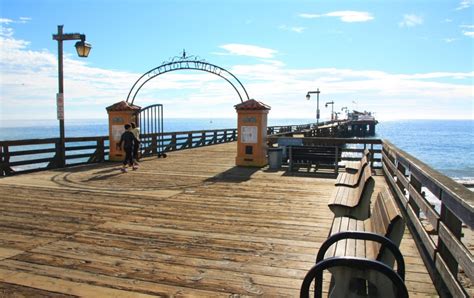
(352, 149)
(24, 156)
(153, 144)
(286, 129)
(438, 209)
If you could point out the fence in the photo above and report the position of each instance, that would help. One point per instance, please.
(439, 211)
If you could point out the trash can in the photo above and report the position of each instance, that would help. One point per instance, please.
(274, 158)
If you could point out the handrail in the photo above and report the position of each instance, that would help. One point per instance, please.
(14, 158)
(364, 264)
(438, 230)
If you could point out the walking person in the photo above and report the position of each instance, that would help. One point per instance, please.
(136, 132)
(127, 143)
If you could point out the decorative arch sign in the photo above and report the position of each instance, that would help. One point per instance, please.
(187, 63)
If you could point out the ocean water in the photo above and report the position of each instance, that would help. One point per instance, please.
(445, 145)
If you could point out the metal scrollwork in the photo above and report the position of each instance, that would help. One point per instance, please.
(185, 62)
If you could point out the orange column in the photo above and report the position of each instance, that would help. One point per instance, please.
(120, 113)
(252, 130)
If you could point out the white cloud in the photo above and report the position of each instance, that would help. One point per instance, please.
(248, 50)
(24, 20)
(5, 21)
(352, 16)
(469, 32)
(29, 80)
(21, 20)
(465, 4)
(449, 40)
(347, 16)
(294, 29)
(411, 20)
(310, 15)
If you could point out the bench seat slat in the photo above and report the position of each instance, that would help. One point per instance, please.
(341, 245)
(360, 244)
(336, 226)
(351, 243)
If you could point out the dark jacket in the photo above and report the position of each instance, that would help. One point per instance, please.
(127, 139)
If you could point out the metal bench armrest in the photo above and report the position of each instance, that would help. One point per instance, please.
(386, 243)
(316, 273)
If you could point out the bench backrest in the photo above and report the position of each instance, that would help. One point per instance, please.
(328, 154)
(386, 220)
(364, 176)
(366, 155)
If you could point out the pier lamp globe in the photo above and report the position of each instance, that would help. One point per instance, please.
(83, 48)
(308, 96)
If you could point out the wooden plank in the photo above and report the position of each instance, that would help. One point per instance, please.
(12, 290)
(454, 287)
(425, 238)
(73, 288)
(360, 244)
(400, 195)
(341, 244)
(458, 250)
(425, 207)
(205, 227)
(351, 243)
(8, 252)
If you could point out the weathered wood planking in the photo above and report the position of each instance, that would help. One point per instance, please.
(190, 224)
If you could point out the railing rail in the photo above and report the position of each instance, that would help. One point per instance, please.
(351, 149)
(437, 208)
(23, 156)
(180, 140)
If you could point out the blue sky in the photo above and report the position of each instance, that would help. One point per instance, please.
(399, 59)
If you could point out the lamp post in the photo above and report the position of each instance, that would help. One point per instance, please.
(332, 108)
(308, 96)
(345, 110)
(83, 48)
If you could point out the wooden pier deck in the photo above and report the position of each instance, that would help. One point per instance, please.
(190, 224)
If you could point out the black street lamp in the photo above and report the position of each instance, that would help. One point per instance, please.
(83, 48)
(346, 110)
(332, 108)
(308, 96)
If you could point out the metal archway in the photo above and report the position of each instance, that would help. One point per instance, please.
(187, 63)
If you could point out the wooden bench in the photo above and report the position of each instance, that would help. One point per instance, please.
(354, 166)
(358, 265)
(352, 179)
(319, 156)
(350, 201)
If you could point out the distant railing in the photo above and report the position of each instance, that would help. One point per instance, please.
(152, 144)
(23, 156)
(286, 129)
(437, 208)
(352, 149)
